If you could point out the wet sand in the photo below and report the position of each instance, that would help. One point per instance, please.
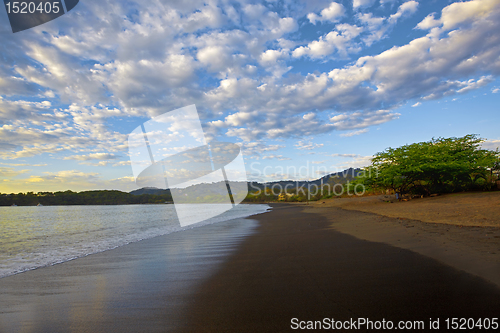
(140, 287)
(292, 264)
(475, 250)
(298, 266)
(459, 229)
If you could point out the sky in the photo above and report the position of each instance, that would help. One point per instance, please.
(305, 88)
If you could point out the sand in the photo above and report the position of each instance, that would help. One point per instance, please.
(461, 230)
(298, 266)
(480, 209)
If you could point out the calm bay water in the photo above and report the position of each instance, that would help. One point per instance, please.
(33, 237)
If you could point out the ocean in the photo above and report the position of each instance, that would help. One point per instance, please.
(33, 237)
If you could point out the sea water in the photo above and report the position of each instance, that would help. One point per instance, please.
(32, 237)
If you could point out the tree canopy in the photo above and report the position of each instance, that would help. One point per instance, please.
(435, 166)
(81, 198)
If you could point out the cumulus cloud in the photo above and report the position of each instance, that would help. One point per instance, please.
(257, 148)
(408, 8)
(11, 110)
(356, 120)
(491, 144)
(277, 157)
(357, 161)
(61, 92)
(334, 41)
(353, 133)
(459, 13)
(362, 3)
(303, 145)
(95, 156)
(332, 13)
(11, 172)
(342, 39)
(377, 28)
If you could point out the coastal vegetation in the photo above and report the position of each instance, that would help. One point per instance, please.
(441, 165)
(82, 198)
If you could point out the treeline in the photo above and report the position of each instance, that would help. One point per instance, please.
(342, 184)
(81, 198)
(441, 165)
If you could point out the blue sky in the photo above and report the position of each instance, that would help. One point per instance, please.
(304, 87)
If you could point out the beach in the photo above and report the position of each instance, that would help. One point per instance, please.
(297, 261)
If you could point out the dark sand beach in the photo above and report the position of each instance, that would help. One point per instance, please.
(292, 264)
(297, 266)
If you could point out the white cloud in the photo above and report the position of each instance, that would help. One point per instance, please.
(379, 27)
(428, 22)
(458, 13)
(277, 157)
(362, 3)
(208, 17)
(472, 84)
(254, 12)
(11, 110)
(11, 172)
(335, 41)
(376, 26)
(416, 104)
(138, 66)
(95, 156)
(255, 149)
(356, 162)
(408, 8)
(271, 57)
(495, 90)
(275, 126)
(353, 133)
(353, 161)
(344, 155)
(491, 144)
(332, 13)
(356, 120)
(303, 145)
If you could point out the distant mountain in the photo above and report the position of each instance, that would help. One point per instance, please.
(150, 190)
(339, 177)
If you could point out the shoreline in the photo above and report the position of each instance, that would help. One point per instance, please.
(21, 251)
(141, 286)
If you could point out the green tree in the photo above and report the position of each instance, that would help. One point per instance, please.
(436, 166)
